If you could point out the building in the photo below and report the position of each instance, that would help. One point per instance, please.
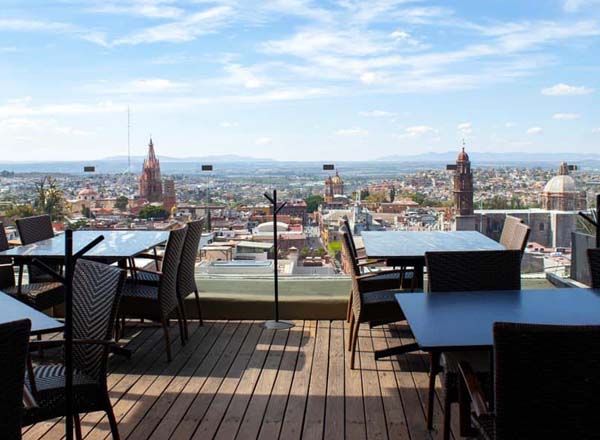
(150, 180)
(334, 186)
(463, 192)
(560, 193)
(170, 197)
(294, 208)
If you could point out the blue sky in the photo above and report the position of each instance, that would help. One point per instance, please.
(297, 79)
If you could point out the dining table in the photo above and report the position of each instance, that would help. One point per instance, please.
(459, 321)
(11, 309)
(408, 248)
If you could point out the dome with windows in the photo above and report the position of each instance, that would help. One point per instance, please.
(560, 184)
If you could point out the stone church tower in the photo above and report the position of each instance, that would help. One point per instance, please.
(150, 180)
(463, 192)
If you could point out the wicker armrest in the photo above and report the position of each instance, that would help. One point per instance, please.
(150, 256)
(376, 274)
(155, 272)
(474, 389)
(370, 262)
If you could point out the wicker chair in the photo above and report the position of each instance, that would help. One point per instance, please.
(96, 294)
(157, 301)
(508, 228)
(14, 347)
(546, 383)
(372, 298)
(594, 259)
(362, 264)
(466, 271)
(186, 279)
(40, 293)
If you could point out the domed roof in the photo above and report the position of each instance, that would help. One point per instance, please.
(268, 227)
(560, 184)
(336, 178)
(462, 156)
(87, 191)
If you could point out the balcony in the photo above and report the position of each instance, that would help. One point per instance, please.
(233, 379)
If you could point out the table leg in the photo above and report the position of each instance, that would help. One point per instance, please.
(434, 365)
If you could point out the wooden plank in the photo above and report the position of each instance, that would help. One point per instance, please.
(390, 391)
(294, 412)
(213, 416)
(237, 407)
(136, 393)
(273, 419)
(314, 418)
(164, 391)
(334, 409)
(413, 411)
(250, 426)
(374, 411)
(208, 357)
(353, 401)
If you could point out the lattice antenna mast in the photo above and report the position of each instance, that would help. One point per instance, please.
(128, 141)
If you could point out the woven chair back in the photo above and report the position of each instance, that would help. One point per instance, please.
(167, 289)
(594, 259)
(186, 279)
(96, 294)
(473, 270)
(31, 230)
(508, 228)
(546, 381)
(14, 347)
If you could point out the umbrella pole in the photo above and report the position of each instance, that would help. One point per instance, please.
(69, 332)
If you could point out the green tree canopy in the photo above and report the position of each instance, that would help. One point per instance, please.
(121, 203)
(152, 211)
(313, 202)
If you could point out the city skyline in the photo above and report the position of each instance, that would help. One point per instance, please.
(298, 80)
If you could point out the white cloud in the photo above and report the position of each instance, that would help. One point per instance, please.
(186, 29)
(534, 130)
(263, 141)
(227, 124)
(566, 116)
(28, 126)
(418, 131)
(596, 130)
(53, 27)
(465, 128)
(509, 124)
(566, 90)
(352, 132)
(377, 114)
(144, 8)
(577, 5)
(152, 85)
(22, 107)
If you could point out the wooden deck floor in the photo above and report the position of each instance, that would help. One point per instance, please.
(235, 380)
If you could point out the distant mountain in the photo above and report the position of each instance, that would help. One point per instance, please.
(486, 157)
(213, 158)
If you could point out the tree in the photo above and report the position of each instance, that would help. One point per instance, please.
(392, 194)
(304, 252)
(376, 197)
(50, 198)
(152, 211)
(313, 202)
(320, 252)
(87, 212)
(20, 211)
(121, 203)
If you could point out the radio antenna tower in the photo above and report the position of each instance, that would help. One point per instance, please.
(128, 141)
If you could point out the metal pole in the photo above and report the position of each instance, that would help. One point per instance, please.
(275, 258)
(69, 332)
(598, 220)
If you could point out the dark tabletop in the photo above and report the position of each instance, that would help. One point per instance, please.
(414, 244)
(116, 244)
(460, 320)
(13, 310)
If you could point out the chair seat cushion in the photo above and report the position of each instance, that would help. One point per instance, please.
(381, 281)
(131, 289)
(381, 306)
(50, 383)
(39, 295)
(145, 277)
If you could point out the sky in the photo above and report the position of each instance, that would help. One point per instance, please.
(297, 79)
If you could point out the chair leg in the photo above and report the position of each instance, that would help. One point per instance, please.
(165, 326)
(114, 429)
(184, 319)
(350, 330)
(180, 323)
(354, 341)
(198, 306)
(77, 423)
(434, 361)
(349, 307)
(447, 415)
